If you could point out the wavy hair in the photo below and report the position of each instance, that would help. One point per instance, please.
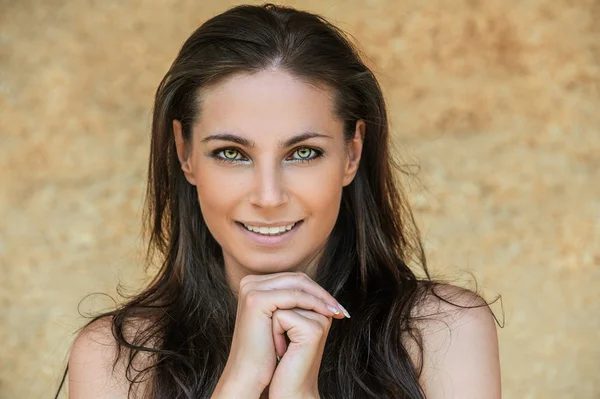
(188, 309)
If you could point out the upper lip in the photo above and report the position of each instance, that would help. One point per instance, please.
(272, 224)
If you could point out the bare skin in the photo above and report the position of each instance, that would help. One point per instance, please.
(269, 183)
(268, 307)
(273, 183)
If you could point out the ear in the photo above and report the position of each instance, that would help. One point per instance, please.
(354, 152)
(183, 153)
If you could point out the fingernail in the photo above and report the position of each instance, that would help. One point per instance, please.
(344, 310)
(333, 309)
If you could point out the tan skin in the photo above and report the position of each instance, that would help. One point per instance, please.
(270, 183)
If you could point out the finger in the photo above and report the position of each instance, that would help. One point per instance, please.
(259, 277)
(301, 327)
(319, 318)
(280, 343)
(290, 280)
(268, 301)
(323, 320)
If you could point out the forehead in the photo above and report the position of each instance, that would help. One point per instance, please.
(267, 104)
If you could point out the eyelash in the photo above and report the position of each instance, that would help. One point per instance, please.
(215, 154)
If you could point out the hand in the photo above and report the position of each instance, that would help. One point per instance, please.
(251, 361)
(296, 375)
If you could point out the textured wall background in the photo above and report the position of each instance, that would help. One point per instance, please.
(497, 101)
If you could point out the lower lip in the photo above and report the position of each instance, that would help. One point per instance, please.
(270, 241)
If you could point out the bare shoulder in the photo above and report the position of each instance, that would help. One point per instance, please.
(94, 370)
(460, 345)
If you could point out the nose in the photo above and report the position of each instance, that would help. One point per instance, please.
(268, 188)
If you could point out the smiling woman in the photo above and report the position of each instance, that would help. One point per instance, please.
(272, 201)
(288, 169)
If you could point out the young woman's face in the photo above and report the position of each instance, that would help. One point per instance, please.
(268, 152)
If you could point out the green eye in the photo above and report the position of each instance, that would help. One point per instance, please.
(230, 154)
(304, 152)
(235, 156)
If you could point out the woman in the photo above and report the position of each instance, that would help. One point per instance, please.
(272, 202)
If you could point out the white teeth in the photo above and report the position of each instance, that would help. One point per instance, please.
(270, 230)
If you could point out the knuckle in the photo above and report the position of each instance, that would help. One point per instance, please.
(318, 330)
(246, 279)
(302, 275)
(252, 298)
(296, 293)
(244, 289)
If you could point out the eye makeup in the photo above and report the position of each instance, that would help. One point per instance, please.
(224, 155)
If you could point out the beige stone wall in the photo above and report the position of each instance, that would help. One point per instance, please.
(498, 101)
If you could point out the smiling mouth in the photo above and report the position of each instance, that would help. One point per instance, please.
(270, 231)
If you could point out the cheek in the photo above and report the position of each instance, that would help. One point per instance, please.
(216, 194)
(319, 190)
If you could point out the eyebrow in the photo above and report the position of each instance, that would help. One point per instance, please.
(251, 144)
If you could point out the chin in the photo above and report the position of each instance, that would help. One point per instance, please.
(270, 263)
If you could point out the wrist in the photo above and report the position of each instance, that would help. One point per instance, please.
(233, 386)
(226, 390)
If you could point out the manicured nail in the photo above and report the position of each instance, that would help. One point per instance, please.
(344, 310)
(333, 309)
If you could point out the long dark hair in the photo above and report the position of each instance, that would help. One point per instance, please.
(188, 309)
